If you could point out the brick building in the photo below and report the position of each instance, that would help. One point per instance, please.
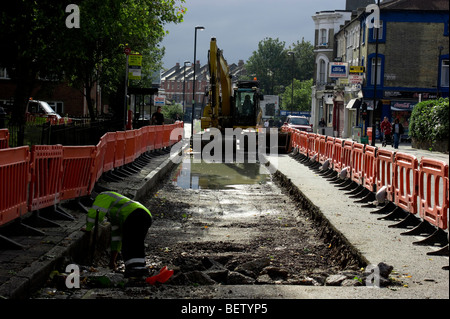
(177, 84)
(61, 97)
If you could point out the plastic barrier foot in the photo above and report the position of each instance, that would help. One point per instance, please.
(424, 228)
(356, 191)
(439, 237)
(390, 206)
(440, 252)
(396, 214)
(8, 243)
(409, 221)
(368, 198)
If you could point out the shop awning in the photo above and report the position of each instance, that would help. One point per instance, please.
(354, 104)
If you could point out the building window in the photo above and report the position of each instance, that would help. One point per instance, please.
(444, 73)
(322, 72)
(323, 37)
(372, 79)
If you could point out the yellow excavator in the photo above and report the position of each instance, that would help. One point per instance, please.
(233, 107)
(229, 107)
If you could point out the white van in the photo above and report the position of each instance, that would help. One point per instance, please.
(41, 109)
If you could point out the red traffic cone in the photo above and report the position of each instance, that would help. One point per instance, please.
(162, 277)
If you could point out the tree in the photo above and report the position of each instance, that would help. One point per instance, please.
(95, 51)
(35, 41)
(302, 96)
(30, 37)
(268, 64)
(274, 67)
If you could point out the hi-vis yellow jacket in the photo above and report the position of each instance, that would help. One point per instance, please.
(116, 208)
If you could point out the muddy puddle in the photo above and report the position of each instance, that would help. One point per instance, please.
(198, 174)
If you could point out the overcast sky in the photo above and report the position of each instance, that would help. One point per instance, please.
(239, 25)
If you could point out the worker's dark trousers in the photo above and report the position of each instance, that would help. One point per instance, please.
(134, 230)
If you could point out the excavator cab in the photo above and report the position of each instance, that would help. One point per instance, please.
(246, 108)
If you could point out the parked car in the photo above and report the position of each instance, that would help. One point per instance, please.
(41, 109)
(299, 122)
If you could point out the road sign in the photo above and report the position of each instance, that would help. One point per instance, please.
(127, 50)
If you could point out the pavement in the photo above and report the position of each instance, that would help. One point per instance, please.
(422, 275)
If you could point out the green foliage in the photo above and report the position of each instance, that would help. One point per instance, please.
(172, 110)
(275, 68)
(302, 96)
(430, 121)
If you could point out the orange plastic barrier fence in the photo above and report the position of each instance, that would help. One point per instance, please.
(130, 146)
(151, 138)
(119, 156)
(46, 173)
(347, 155)
(321, 143)
(431, 174)
(312, 147)
(405, 180)
(78, 164)
(337, 154)
(304, 143)
(329, 148)
(144, 139)
(99, 160)
(357, 163)
(4, 138)
(166, 135)
(110, 151)
(14, 179)
(385, 171)
(370, 168)
(159, 132)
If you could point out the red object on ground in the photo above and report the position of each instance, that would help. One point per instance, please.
(162, 277)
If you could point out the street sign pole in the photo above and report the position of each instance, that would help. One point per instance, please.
(127, 52)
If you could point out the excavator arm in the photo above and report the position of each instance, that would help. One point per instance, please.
(218, 108)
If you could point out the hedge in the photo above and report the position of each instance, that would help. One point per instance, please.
(429, 121)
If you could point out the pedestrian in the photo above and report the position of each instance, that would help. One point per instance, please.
(398, 131)
(158, 117)
(322, 122)
(266, 123)
(386, 129)
(130, 222)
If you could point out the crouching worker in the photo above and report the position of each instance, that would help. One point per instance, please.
(130, 222)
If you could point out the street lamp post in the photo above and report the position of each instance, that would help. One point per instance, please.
(292, 88)
(376, 30)
(193, 89)
(184, 88)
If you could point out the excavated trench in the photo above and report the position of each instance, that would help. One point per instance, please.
(230, 224)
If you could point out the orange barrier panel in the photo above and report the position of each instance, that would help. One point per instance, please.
(304, 143)
(312, 148)
(4, 138)
(151, 138)
(357, 163)
(137, 142)
(78, 165)
(431, 174)
(99, 158)
(46, 172)
(405, 182)
(337, 155)
(385, 172)
(14, 179)
(119, 155)
(329, 148)
(159, 131)
(130, 146)
(370, 168)
(166, 135)
(110, 151)
(321, 143)
(347, 155)
(144, 139)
